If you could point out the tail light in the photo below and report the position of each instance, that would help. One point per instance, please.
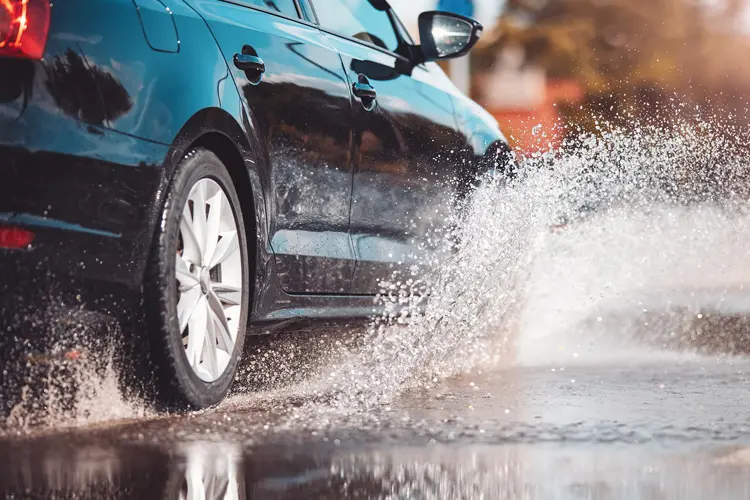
(24, 25)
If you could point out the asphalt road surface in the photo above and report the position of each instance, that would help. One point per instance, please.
(666, 425)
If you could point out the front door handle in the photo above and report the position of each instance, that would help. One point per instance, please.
(253, 65)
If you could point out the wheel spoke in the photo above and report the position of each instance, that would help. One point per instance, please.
(210, 363)
(227, 294)
(186, 306)
(191, 247)
(224, 338)
(197, 333)
(198, 196)
(184, 276)
(228, 244)
(212, 226)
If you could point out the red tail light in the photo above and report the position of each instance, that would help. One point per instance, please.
(15, 237)
(24, 25)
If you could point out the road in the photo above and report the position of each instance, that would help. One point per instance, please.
(670, 426)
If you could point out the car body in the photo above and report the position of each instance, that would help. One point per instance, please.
(335, 193)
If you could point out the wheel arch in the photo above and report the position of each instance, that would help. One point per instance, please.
(216, 130)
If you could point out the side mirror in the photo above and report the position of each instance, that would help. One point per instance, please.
(444, 35)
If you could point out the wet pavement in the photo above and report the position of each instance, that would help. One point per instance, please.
(670, 426)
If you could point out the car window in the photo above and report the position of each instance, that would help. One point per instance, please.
(357, 19)
(285, 7)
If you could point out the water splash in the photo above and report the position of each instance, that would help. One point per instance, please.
(597, 226)
(75, 383)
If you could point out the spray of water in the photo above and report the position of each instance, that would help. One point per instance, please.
(549, 264)
(74, 382)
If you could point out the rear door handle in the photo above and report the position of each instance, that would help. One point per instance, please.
(364, 91)
(250, 64)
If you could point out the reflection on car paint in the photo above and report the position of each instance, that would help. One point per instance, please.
(85, 91)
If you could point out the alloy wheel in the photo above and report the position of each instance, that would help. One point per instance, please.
(209, 274)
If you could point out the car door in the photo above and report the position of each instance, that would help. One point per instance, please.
(405, 141)
(298, 100)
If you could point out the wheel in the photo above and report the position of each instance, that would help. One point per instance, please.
(197, 286)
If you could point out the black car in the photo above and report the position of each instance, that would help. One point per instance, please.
(198, 166)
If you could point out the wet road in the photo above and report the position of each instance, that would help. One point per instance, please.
(670, 426)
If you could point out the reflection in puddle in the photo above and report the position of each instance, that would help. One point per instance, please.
(210, 472)
(63, 470)
(225, 471)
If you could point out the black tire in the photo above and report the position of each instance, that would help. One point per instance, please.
(175, 382)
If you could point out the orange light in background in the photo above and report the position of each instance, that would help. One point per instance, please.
(73, 355)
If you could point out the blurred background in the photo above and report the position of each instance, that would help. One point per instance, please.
(549, 69)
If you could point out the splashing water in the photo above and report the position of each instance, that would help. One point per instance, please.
(75, 383)
(614, 224)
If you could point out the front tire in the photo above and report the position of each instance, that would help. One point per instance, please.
(197, 286)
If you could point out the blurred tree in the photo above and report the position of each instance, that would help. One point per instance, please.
(631, 55)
